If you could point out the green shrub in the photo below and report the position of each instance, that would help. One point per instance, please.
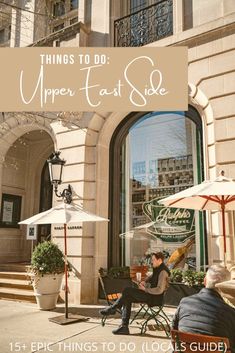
(47, 258)
(119, 272)
(189, 277)
(176, 276)
(192, 278)
(199, 278)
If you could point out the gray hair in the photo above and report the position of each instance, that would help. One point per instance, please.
(216, 274)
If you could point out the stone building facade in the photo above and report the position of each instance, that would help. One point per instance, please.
(207, 28)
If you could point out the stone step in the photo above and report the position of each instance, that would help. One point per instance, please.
(14, 267)
(15, 283)
(14, 275)
(17, 294)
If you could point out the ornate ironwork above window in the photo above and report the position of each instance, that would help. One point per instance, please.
(144, 26)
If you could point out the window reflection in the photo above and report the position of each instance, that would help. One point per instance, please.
(159, 158)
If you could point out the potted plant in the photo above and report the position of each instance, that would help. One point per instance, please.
(189, 277)
(142, 266)
(199, 278)
(176, 276)
(46, 272)
(119, 272)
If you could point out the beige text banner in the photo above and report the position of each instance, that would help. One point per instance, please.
(93, 79)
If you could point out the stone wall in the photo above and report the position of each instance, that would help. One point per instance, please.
(21, 165)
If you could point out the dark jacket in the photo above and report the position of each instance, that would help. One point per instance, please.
(158, 284)
(153, 279)
(206, 313)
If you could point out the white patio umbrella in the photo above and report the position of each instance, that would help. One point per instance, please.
(218, 194)
(64, 214)
(145, 225)
(130, 233)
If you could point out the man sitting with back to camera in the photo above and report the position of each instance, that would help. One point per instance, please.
(150, 292)
(206, 313)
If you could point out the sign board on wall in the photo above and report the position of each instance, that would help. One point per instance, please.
(31, 232)
(10, 211)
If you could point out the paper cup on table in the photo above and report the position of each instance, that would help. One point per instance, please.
(138, 276)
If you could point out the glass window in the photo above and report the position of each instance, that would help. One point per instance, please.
(73, 4)
(136, 5)
(159, 156)
(187, 14)
(59, 8)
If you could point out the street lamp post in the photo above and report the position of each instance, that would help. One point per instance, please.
(56, 165)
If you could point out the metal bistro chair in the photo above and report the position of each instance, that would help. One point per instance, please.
(154, 313)
(157, 314)
(142, 312)
(190, 342)
(110, 299)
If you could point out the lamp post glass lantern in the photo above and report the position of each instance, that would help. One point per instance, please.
(55, 168)
(56, 165)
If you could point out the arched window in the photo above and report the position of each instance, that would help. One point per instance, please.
(154, 155)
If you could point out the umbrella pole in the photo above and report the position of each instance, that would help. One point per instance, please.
(223, 229)
(66, 318)
(66, 271)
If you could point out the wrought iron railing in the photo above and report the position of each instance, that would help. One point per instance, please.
(145, 26)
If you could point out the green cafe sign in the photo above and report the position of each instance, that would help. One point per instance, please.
(170, 224)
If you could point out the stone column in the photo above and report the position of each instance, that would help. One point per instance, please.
(100, 26)
(79, 172)
(177, 16)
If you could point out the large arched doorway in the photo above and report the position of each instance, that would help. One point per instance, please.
(21, 190)
(154, 155)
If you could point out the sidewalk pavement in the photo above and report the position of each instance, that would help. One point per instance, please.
(25, 329)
